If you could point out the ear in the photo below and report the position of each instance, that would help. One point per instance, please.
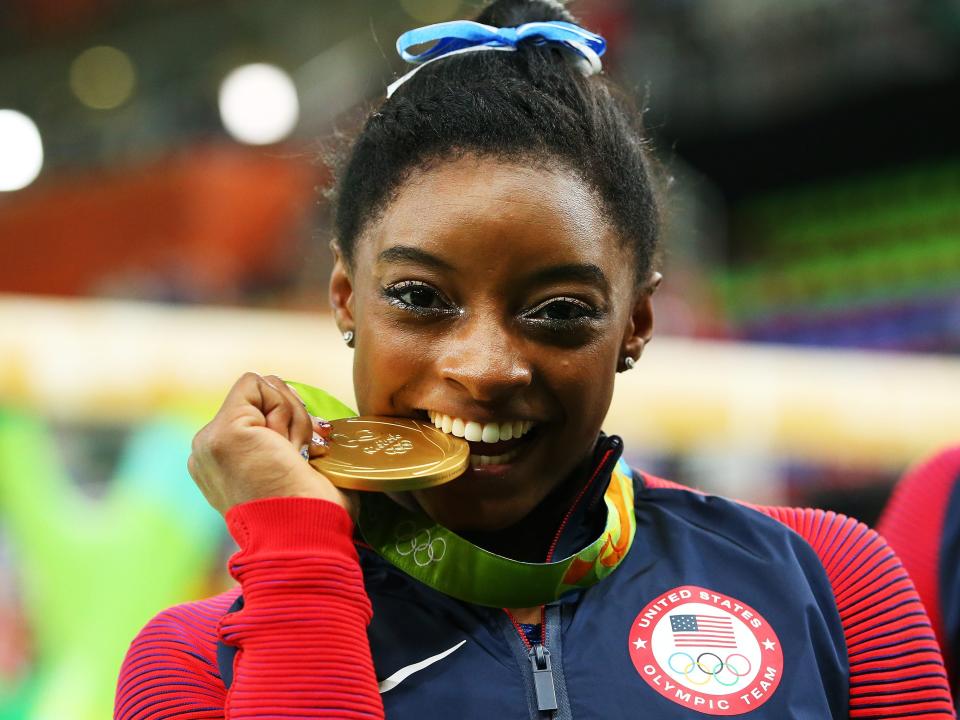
(341, 291)
(640, 327)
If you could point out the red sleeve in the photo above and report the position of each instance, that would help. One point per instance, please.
(896, 670)
(895, 665)
(303, 649)
(913, 524)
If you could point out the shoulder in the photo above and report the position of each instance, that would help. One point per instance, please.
(196, 621)
(754, 526)
(922, 524)
(853, 557)
(894, 660)
(822, 530)
(173, 659)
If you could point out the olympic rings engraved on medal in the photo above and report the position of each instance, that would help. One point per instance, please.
(710, 674)
(419, 543)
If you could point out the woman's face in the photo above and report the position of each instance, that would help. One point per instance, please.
(495, 300)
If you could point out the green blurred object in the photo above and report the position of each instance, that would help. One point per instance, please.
(95, 571)
(848, 245)
(320, 403)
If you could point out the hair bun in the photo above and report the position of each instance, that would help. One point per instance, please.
(510, 13)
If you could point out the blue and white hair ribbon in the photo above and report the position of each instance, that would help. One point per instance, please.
(462, 36)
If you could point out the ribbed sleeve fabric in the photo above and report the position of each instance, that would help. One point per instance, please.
(895, 665)
(170, 670)
(301, 635)
(896, 670)
(913, 524)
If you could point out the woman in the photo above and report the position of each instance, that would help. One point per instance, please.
(496, 231)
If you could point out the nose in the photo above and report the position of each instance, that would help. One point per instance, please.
(485, 360)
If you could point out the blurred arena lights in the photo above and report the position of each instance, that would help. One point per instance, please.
(21, 150)
(259, 104)
(102, 77)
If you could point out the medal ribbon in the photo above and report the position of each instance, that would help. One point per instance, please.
(438, 557)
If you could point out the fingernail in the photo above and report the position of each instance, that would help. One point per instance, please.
(319, 440)
(305, 452)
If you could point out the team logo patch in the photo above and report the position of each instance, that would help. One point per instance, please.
(706, 651)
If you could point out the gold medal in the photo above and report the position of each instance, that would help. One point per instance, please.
(384, 454)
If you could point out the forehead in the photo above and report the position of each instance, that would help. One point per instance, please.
(472, 208)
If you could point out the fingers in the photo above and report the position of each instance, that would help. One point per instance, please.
(276, 407)
(320, 426)
(318, 446)
(279, 407)
(299, 424)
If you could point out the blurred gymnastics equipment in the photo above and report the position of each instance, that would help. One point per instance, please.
(108, 361)
(869, 262)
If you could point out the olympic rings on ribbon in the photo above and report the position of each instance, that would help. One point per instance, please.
(710, 674)
(419, 543)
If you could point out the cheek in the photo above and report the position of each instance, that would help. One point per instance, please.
(584, 385)
(387, 359)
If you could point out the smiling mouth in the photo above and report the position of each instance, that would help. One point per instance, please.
(492, 443)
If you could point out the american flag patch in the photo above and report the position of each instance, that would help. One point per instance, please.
(703, 631)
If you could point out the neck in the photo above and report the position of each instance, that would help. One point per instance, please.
(529, 540)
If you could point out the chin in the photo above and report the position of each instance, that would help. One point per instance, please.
(462, 506)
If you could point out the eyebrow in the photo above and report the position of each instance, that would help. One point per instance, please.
(404, 254)
(577, 272)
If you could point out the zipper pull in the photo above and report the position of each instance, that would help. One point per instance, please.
(543, 678)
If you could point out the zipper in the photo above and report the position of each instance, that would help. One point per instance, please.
(537, 653)
(539, 657)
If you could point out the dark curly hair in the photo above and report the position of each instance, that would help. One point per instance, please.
(531, 106)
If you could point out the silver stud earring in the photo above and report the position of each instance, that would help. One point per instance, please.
(348, 338)
(629, 363)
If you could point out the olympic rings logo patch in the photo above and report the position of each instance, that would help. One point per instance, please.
(419, 544)
(706, 651)
(702, 672)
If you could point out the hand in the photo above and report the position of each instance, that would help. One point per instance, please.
(253, 448)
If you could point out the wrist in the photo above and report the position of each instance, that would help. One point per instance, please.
(291, 524)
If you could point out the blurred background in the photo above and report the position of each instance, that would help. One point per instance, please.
(163, 228)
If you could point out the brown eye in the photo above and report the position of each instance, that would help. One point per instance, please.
(421, 297)
(562, 310)
(417, 297)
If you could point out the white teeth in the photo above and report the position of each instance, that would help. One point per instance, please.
(491, 433)
(473, 432)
